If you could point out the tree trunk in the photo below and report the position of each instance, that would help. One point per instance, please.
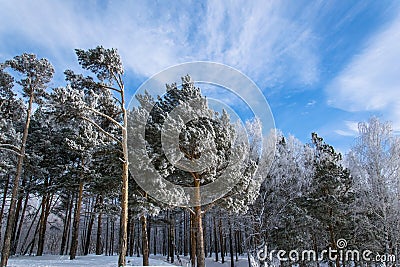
(21, 222)
(67, 222)
(32, 244)
(210, 233)
(192, 240)
(145, 243)
(99, 247)
(164, 242)
(107, 225)
(75, 226)
(132, 237)
(112, 238)
(5, 253)
(221, 241)
(148, 236)
(199, 224)
(155, 241)
(90, 226)
(28, 232)
(236, 235)
(138, 241)
(171, 238)
(42, 226)
(123, 243)
(185, 235)
(89, 232)
(129, 237)
(215, 240)
(3, 203)
(231, 243)
(17, 211)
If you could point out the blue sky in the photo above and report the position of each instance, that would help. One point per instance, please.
(322, 65)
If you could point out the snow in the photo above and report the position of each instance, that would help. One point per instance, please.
(107, 261)
(90, 260)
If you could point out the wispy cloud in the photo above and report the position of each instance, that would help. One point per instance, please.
(371, 81)
(351, 129)
(311, 103)
(263, 40)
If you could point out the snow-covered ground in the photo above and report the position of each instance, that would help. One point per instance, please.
(64, 261)
(106, 261)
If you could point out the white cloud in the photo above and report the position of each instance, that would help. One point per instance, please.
(258, 38)
(352, 126)
(344, 133)
(351, 129)
(311, 103)
(371, 81)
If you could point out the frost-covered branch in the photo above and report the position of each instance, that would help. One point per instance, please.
(190, 210)
(11, 150)
(116, 99)
(107, 117)
(11, 146)
(110, 88)
(102, 130)
(118, 80)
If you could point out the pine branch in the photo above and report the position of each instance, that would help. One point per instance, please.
(11, 146)
(107, 117)
(110, 88)
(190, 210)
(116, 99)
(119, 81)
(102, 130)
(10, 150)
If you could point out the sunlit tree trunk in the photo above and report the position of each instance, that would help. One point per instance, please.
(123, 238)
(199, 224)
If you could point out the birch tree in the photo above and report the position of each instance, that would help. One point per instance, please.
(374, 162)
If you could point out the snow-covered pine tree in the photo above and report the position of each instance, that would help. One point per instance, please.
(103, 96)
(11, 126)
(197, 137)
(11, 119)
(330, 197)
(35, 77)
(142, 206)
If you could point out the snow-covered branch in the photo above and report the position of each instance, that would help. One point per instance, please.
(107, 117)
(102, 130)
(10, 150)
(10, 147)
(110, 88)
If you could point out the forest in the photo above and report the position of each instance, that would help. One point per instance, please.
(67, 189)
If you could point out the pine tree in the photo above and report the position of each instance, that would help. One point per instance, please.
(331, 196)
(37, 73)
(89, 99)
(209, 138)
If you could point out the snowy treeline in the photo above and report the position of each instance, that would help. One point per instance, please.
(63, 174)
